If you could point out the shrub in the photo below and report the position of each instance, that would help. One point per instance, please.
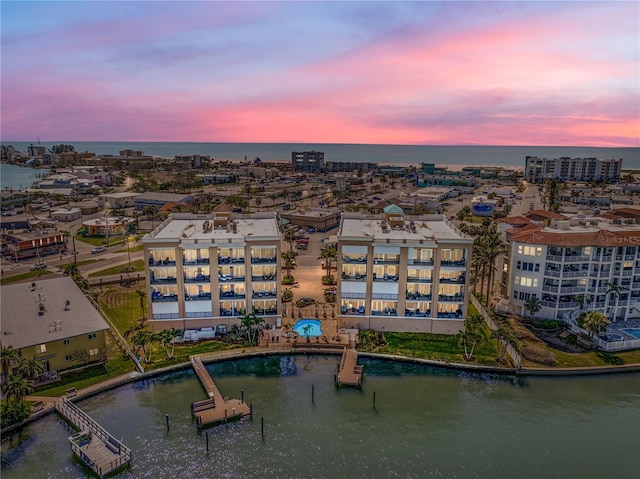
(288, 280)
(539, 355)
(328, 279)
(370, 340)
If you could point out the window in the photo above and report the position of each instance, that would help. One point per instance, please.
(587, 250)
(530, 250)
(66, 342)
(92, 336)
(93, 352)
(526, 281)
(68, 357)
(41, 348)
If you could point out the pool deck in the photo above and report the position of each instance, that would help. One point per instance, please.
(217, 408)
(349, 372)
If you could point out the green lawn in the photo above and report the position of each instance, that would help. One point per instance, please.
(97, 241)
(138, 265)
(437, 347)
(132, 249)
(25, 276)
(122, 305)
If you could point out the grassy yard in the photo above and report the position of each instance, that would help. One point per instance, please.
(122, 305)
(98, 241)
(137, 265)
(437, 347)
(132, 249)
(26, 276)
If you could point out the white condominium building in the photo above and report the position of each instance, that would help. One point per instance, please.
(577, 264)
(402, 274)
(206, 270)
(539, 170)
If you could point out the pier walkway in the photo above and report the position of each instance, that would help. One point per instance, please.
(99, 450)
(216, 409)
(349, 373)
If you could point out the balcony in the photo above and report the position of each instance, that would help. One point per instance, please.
(187, 262)
(572, 289)
(167, 280)
(162, 262)
(264, 260)
(461, 263)
(386, 277)
(163, 298)
(357, 311)
(457, 280)
(223, 278)
(553, 273)
(231, 295)
(229, 312)
(385, 312)
(201, 296)
(199, 278)
(419, 279)
(386, 261)
(574, 274)
(410, 312)
(455, 298)
(264, 294)
(265, 311)
(548, 304)
(448, 315)
(354, 277)
(230, 260)
(418, 296)
(428, 262)
(550, 288)
(357, 259)
(264, 277)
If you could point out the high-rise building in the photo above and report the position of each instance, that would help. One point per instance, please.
(207, 270)
(397, 274)
(576, 264)
(539, 170)
(307, 161)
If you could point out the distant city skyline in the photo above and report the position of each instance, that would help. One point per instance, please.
(492, 73)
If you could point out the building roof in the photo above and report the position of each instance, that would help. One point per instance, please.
(601, 235)
(166, 197)
(375, 228)
(190, 228)
(393, 209)
(543, 215)
(514, 220)
(223, 208)
(22, 326)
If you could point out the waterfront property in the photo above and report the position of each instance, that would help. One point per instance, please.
(398, 274)
(539, 170)
(21, 242)
(208, 270)
(52, 321)
(576, 264)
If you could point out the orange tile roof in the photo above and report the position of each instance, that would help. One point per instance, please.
(545, 215)
(223, 208)
(514, 220)
(627, 212)
(569, 238)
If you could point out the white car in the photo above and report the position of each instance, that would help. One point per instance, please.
(38, 266)
(98, 249)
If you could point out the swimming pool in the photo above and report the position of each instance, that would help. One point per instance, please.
(308, 327)
(633, 332)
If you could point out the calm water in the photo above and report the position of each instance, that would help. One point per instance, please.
(427, 423)
(19, 177)
(443, 155)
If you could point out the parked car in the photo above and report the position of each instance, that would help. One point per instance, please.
(302, 302)
(38, 266)
(98, 249)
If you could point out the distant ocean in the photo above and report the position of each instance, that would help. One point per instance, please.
(452, 156)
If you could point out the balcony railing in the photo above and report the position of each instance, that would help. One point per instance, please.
(456, 298)
(572, 289)
(458, 280)
(446, 262)
(163, 298)
(229, 260)
(418, 279)
(232, 295)
(264, 277)
(386, 261)
(264, 294)
(385, 277)
(417, 296)
(446, 315)
(416, 312)
(549, 288)
(223, 278)
(423, 262)
(574, 274)
(263, 260)
(548, 304)
(187, 262)
(200, 278)
(354, 277)
(167, 280)
(360, 311)
(162, 262)
(202, 296)
(229, 312)
(385, 312)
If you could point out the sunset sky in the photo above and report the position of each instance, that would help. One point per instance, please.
(494, 73)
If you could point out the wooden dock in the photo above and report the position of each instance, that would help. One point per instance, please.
(98, 449)
(349, 372)
(216, 409)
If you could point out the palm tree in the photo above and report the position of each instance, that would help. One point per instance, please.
(31, 368)
(492, 246)
(140, 339)
(329, 254)
(9, 357)
(595, 322)
(504, 336)
(166, 337)
(289, 264)
(289, 233)
(142, 295)
(250, 322)
(533, 306)
(17, 387)
(473, 335)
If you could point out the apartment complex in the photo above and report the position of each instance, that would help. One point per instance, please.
(207, 270)
(397, 274)
(307, 161)
(576, 264)
(539, 170)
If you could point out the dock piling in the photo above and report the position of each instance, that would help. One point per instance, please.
(313, 393)
(206, 435)
(166, 416)
(242, 395)
(262, 426)
(374, 399)
(251, 410)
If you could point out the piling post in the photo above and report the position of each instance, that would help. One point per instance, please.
(251, 410)
(242, 395)
(374, 399)
(206, 435)
(262, 425)
(313, 387)
(166, 416)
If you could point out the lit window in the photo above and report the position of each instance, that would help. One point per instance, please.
(42, 348)
(93, 352)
